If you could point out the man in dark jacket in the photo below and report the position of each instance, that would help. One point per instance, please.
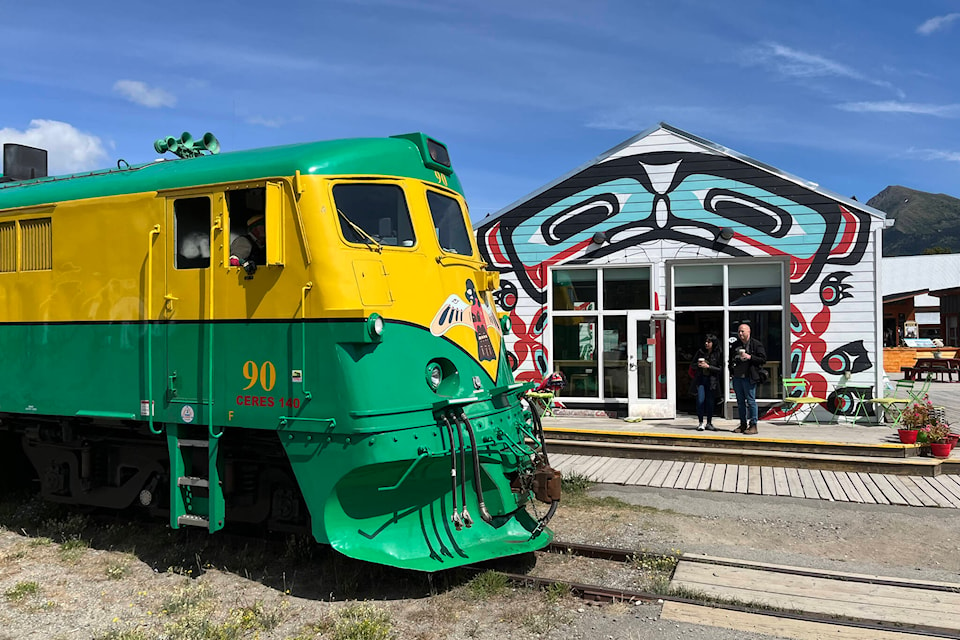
(249, 250)
(747, 357)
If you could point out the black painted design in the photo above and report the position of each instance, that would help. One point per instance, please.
(850, 357)
(833, 289)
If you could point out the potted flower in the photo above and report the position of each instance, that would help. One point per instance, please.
(938, 437)
(916, 416)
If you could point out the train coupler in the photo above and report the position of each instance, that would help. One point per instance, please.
(546, 484)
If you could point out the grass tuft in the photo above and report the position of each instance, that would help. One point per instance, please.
(489, 584)
(22, 590)
(574, 484)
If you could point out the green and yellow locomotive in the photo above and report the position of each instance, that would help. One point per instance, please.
(301, 337)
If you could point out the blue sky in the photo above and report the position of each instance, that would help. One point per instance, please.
(854, 95)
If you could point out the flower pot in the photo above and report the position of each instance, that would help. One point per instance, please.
(940, 449)
(953, 438)
(907, 436)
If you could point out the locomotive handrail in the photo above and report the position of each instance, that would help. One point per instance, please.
(284, 420)
(406, 473)
(217, 225)
(149, 306)
(295, 190)
(303, 339)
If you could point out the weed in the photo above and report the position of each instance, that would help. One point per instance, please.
(574, 483)
(256, 618)
(72, 550)
(22, 590)
(41, 542)
(655, 562)
(556, 592)
(184, 599)
(357, 621)
(117, 570)
(488, 584)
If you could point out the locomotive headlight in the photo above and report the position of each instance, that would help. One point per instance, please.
(434, 375)
(505, 324)
(375, 326)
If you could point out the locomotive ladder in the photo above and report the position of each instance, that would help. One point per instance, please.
(195, 500)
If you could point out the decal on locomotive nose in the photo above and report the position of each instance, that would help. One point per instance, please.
(473, 313)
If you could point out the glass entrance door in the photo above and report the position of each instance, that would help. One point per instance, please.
(650, 390)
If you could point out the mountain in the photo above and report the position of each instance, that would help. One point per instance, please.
(925, 222)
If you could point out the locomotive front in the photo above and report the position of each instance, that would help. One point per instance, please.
(431, 460)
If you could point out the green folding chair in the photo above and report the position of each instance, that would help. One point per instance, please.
(896, 402)
(921, 393)
(793, 403)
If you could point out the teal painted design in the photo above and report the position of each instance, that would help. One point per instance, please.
(360, 156)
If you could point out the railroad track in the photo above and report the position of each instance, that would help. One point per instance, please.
(757, 596)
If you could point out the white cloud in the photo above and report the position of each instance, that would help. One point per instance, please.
(891, 106)
(937, 23)
(139, 93)
(272, 123)
(935, 154)
(69, 150)
(801, 64)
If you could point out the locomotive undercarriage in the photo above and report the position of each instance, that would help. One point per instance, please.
(122, 465)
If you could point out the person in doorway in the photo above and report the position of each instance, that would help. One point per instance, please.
(249, 250)
(707, 365)
(747, 357)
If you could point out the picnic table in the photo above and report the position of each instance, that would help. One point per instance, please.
(943, 368)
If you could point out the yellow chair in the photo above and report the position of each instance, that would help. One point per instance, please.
(795, 396)
(897, 403)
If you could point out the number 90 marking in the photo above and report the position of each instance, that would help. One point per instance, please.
(265, 374)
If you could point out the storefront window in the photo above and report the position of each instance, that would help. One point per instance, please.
(755, 284)
(575, 353)
(626, 288)
(574, 289)
(615, 356)
(698, 286)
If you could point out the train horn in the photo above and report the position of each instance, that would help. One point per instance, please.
(186, 146)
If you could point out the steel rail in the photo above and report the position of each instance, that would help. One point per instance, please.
(600, 593)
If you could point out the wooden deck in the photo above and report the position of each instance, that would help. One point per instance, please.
(812, 484)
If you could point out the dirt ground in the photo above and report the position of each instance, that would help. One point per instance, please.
(64, 575)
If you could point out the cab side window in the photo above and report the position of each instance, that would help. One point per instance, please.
(246, 208)
(373, 213)
(448, 221)
(191, 220)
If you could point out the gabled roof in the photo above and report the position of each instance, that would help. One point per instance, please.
(900, 274)
(906, 295)
(704, 144)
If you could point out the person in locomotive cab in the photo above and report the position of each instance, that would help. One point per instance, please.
(249, 250)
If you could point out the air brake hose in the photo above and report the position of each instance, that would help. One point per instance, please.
(455, 518)
(484, 514)
(465, 516)
(542, 522)
(538, 432)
